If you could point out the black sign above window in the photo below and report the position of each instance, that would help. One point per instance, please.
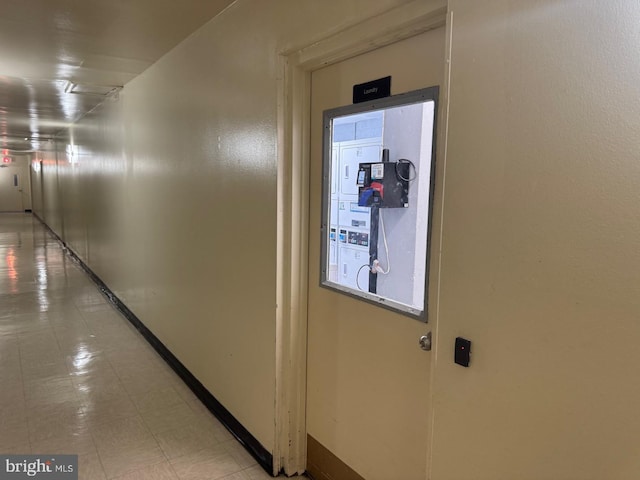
(372, 90)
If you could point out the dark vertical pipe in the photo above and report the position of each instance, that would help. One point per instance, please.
(373, 248)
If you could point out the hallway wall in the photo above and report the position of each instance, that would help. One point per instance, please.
(170, 197)
(169, 194)
(540, 261)
(47, 201)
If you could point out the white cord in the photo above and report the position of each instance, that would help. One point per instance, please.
(377, 266)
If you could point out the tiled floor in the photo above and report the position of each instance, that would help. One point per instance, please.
(77, 378)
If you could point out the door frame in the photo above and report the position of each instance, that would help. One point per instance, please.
(295, 66)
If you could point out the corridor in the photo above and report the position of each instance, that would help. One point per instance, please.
(77, 378)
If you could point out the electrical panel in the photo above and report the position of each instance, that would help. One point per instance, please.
(383, 184)
(367, 181)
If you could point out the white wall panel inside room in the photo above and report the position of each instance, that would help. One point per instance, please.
(171, 199)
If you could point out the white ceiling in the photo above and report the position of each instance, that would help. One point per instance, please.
(47, 45)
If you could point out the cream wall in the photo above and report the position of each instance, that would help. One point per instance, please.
(172, 199)
(540, 262)
(49, 196)
(36, 190)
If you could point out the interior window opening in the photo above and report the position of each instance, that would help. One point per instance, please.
(378, 194)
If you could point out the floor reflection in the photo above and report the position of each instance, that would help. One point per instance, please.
(77, 378)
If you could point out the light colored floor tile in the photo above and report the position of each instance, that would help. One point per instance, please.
(90, 300)
(77, 344)
(121, 433)
(161, 398)
(67, 443)
(185, 439)
(99, 315)
(183, 390)
(207, 419)
(40, 352)
(93, 376)
(14, 434)
(58, 389)
(170, 417)
(222, 434)
(108, 408)
(95, 304)
(258, 473)
(206, 464)
(145, 380)
(55, 420)
(10, 370)
(129, 362)
(96, 386)
(160, 471)
(63, 317)
(236, 476)
(13, 411)
(37, 370)
(111, 324)
(137, 456)
(16, 323)
(252, 473)
(90, 467)
(17, 450)
(119, 346)
(12, 391)
(40, 342)
(239, 453)
(9, 349)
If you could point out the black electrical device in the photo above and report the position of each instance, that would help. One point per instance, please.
(462, 351)
(383, 184)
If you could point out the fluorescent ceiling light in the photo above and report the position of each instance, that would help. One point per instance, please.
(95, 90)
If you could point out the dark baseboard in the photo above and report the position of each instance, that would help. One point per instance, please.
(250, 443)
(324, 465)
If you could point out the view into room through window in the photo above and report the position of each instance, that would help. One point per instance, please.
(377, 199)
